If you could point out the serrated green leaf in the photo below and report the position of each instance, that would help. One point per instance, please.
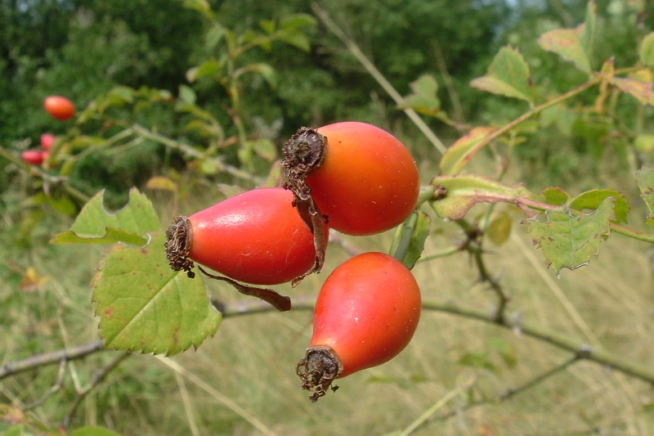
(187, 94)
(642, 91)
(129, 224)
(567, 44)
(594, 199)
(462, 151)
(646, 50)
(645, 182)
(93, 431)
(569, 241)
(146, 306)
(644, 143)
(423, 99)
(507, 75)
(555, 196)
(462, 192)
(499, 229)
(295, 21)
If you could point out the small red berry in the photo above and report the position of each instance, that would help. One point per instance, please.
(47, 139)
(32, 157)
(59, 107)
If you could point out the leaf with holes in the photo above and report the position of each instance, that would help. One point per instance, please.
(593, 199)
(569, 241)
(507, 75)
(95, 225)
(645, 182)
(145, 306)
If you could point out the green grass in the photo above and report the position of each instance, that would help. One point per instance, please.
(242, 382)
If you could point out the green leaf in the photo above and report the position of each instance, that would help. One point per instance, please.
(462, 192)
(567, 44)
(555, 196)
(594, 199)
(410, 237)
(146, 306)
(187, 94)
(644, 143)
(569, 241)
(507, 75)
(120, 95)
(266, 149)
(130, 225)
(588, 30)
(642, 91)
(646, 50)
(214, 35)
(265, 70)
(499, 229)
(201, 6)
(16, 430)
(93, 431)
(463, 150)
(560, 116)
(423, 99)
(645, 182)
(479, 361)
(268, 26)
(505, 349)
(207, 68)
(295, 21)
(295, 38)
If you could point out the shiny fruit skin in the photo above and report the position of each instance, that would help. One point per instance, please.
(367, 311)
(59, 107)
(32, 157)
(255, 237)
(47, 139)
(368, 181)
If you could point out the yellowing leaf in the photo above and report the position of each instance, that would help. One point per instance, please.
(162, 183)
(567, 44)
(31, 280)
(642, 91)
(499, 229)
(507, 75)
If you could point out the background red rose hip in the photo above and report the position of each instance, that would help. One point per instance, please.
(59, 107)
(47, 139)
(33, 157)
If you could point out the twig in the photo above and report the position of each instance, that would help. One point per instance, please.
(18, 366)
(190, 151)
(514, 391)
(53, 389)
(97, 379)
(379, 77)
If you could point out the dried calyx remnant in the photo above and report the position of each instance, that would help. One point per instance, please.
(303, 153)
(318, 370)
(178, 245)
